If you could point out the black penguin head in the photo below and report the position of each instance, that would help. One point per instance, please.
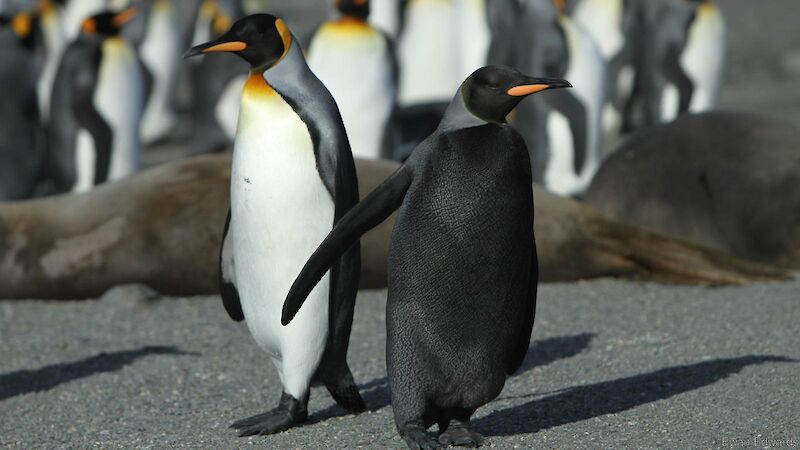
(354, 8)
(260, 39)
(491, 92)
(107, 23)
(22, 25)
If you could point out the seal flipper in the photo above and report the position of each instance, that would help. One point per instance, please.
(227, 281)
(364, 216)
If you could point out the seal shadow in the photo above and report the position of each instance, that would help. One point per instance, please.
(376, 393)
(608, 397)
(27, 381)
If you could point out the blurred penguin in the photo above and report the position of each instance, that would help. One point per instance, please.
(616, 29)
(161, 51)
(689, 38)
(20, 134)
(356, 63)
(385, 15)
(217, 83)
(565, 146)
(97, 106)
(472, 35)
(50, 13)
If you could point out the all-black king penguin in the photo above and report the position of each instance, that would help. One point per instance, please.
(463, 269)
(96, 106)
(292, 179)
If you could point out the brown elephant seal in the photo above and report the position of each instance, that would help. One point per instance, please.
(162, 228)
(727, 181)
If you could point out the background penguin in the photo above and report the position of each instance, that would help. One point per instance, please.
(385, 16)
(291, 149)
(160, 52)
(356, 62)
(616, 29)
(76, 11)
(51, 23)
(217, 82)
(20, 134)
(462, 278)
(563, 132)
(473, 35)
(97, 106)
(683, 58)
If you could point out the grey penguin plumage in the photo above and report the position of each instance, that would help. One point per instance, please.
(20, 132)
(463, 269)
(96, 107)
(293, 177)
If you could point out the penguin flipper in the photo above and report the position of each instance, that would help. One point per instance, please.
(89, 118)
(569, 106)
(227, 279)
(677, 76)
(524, 339)
(364, 216)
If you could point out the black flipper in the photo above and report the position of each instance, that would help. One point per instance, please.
(675, 74)
(227, 288)
(566, 103)
(87, 117)
(524, 339)
(367, 214)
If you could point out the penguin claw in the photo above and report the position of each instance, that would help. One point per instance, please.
(270, 422)
(419, 439)
(460, 437)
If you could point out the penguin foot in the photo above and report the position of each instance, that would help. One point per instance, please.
(418, 439)
(459, 435)
(346, 394)
(289, 412)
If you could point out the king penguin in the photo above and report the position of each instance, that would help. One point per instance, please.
(693, 56)
(20, 133)
(52, 26)
(564, 131)
(97, 106)
(463, 269)
(160, 52)
(292, 178)
(356, 62)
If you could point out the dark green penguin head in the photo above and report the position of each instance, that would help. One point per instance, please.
(353, 8)
(107, 23)
(260, 39)
(491, 92)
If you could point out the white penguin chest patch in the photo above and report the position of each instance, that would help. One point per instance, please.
(352, 60)
(281, 211)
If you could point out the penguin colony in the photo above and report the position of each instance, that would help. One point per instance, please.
(438, 84)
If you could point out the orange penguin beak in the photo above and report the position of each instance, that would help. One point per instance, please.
(537, 85)
(124, 17)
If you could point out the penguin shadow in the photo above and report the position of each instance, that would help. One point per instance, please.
(377, 395)
(27, 381)
(580, 403)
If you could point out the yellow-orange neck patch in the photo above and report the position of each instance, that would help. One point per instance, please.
(257, 86)
(22, 25)
(286, 36)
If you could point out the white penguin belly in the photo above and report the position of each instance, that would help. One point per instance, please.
(587, 73)
(356, 70)
(54, 43)
(85, 158)
(161, 54)
(119, 100)
(281, 211)
(603, 20)
(428, 53)
(385, 15)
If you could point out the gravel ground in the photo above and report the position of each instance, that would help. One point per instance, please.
(612, 364)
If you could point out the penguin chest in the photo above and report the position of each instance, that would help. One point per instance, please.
(356, 70)
(281, 211)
